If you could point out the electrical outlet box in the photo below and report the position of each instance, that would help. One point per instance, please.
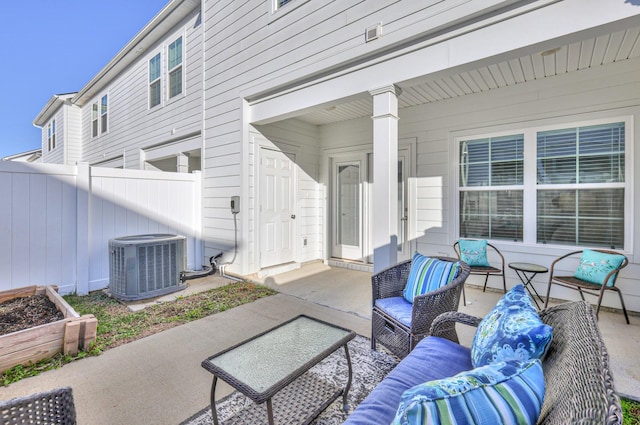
(235, 204)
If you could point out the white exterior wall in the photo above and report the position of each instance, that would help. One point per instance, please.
(613, 91)
(132, 126)
(73, 134)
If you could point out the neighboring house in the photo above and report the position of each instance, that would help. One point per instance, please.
(357, 132)
(61, 130)
(34, 155)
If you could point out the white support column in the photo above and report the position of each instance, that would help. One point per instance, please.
(385, 177)
(182, 163)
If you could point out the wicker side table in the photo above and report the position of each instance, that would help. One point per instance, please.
(270, 368)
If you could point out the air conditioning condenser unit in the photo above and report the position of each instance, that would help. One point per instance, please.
(146, 266)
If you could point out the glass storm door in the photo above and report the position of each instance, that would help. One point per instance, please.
(347, 209)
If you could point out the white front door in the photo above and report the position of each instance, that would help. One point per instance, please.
(277, 207)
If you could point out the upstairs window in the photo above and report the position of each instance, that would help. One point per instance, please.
(51, 135)
(104, 105)
(94, 120)
(155, 81)
(280, 3)
(174, 67)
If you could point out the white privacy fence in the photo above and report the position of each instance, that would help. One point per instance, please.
(56, 221)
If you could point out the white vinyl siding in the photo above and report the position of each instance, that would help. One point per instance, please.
(132, 125)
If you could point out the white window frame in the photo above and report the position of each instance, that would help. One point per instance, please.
(104, 114)
(158, 81)
(168, 71)
(278, 11)
(530, 130)
(51, 135)
(95, 119)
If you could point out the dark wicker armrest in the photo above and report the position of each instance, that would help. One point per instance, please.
(441, 326)
(391, 281)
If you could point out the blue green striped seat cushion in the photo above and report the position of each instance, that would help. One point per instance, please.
(428, 274)
(510, 392)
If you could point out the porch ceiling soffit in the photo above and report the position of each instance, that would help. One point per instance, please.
(468, 64)
(174, 12)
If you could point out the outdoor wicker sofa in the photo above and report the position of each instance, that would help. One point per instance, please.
(400, 338)
(579, 384)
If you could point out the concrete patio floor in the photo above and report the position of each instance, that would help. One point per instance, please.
(159, 380)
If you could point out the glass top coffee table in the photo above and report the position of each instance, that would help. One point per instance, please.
(272, 366)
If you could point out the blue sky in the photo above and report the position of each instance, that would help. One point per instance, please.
(54, 47)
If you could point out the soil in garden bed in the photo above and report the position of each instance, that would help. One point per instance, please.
(23, 313)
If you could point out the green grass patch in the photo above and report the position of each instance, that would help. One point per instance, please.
(630, 412)
(118, 325)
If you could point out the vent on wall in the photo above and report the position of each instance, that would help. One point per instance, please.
(373, 32)
(145, 266)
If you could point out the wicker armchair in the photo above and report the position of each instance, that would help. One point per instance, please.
(50, 407)
(583, 286)
(399, 338)
(579, 384)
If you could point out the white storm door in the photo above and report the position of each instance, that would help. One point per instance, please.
(347, 209)
(277, 209)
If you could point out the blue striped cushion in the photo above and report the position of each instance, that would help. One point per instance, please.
(509, 392)
(428, 274)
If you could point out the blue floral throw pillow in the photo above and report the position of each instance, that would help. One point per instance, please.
(473, 252)
(511, 330)
(428, 274)
(503, 393)
(595, 266)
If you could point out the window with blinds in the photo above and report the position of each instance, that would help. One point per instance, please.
(581, 186)
(569, 183)
(491, 187)
(155, 76)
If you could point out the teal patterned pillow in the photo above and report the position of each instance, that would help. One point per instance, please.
(428, 274)
(511, 330)
(594, 266)
(509, 392)
(473, 252)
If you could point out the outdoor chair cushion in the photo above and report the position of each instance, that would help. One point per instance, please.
(398, 308)
(501, 393)
(432, 358)
(474, 252)
(428, 274)
(594, 266)
(511, 330)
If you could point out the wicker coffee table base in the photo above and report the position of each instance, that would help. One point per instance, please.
(298, 403)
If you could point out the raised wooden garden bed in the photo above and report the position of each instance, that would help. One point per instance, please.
(40, 342)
